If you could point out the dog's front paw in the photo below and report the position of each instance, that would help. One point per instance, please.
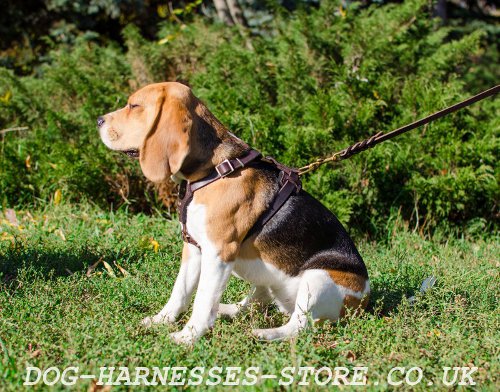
(186, 336)
(147, 322)
(271, 334)
(228, 310)
(157, 319)
(262, 334)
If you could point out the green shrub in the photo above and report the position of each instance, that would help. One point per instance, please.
(322, 79)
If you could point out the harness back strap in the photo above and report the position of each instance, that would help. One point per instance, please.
(289, 182)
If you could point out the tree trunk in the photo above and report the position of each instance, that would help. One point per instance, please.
(236, 12)
(230, 12)
(442, 10)
(223, 12)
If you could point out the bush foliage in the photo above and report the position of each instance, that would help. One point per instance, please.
(317, 81)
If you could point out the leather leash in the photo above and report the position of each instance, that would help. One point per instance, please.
(289, 178)
(382, 137)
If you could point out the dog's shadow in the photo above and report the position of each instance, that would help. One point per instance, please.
(48, 264)
(383, 299)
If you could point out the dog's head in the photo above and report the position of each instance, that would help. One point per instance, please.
(163, 126)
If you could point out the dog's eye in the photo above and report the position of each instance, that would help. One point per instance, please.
(131, 105)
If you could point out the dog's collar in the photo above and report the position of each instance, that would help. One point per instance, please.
(289, 182)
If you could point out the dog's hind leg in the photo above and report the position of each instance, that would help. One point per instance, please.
(258, 294)
(318, 297)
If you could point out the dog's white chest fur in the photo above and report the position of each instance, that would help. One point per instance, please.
(196, 223)
(256, 271)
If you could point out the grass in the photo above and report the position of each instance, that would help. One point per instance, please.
(54, 312)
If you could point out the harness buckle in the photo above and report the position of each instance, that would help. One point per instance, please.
(290, 176)
(221, 168)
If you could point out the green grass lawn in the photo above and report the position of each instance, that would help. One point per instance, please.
(56, 312)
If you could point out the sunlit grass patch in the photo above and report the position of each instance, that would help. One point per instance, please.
(57, 311)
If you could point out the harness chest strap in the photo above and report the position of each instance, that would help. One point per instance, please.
(288, 178)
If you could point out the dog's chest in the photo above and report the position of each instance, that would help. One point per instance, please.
(196, 223)
(256, 271)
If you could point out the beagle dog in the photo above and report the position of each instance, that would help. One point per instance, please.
(302, 259)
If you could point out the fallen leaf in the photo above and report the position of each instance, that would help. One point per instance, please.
(109, 269)
(60, 233)
(332, 344)
(93, 387)
(122, 270)
(6, 98)
(93, 267)
(342, 12)
(434, 332)
(102, 221)
(351, 356)
(7, 237)
(395, 356)
(57, 196)
(27, 162)
(10, 215)
(156, 245)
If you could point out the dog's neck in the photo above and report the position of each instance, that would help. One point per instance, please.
(212, 144)
(231, 147)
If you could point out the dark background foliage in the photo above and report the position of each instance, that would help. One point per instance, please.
(297, 80)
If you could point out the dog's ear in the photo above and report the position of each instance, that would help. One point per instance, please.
(167, 144)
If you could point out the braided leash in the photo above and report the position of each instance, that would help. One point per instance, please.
(382, 137)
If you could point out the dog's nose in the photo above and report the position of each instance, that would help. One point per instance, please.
(100, 121)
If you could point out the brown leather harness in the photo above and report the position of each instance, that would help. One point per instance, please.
(288, 178)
